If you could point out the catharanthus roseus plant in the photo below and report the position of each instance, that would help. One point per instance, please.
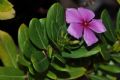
(51, 50)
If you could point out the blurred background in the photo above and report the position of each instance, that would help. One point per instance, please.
(28, 9)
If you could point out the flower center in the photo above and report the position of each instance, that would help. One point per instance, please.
(85, 23)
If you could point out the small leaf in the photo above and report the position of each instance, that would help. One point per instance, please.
(8, 51)
(109, 26)
(39, 61)
(38, 33)
(50, 51)
(110, 68)
(25, 44)
(82, 52)
(8, 73)
(52, 75)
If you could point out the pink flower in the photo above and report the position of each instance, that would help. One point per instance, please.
(82, 24)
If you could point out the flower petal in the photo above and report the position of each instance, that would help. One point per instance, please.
(89, 37)
(75, 30)
(97, 26)
(72, 15)
(86, 14)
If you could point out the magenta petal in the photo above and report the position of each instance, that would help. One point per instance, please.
(89, 37)
(86, 14)
(97, 26)
(72, 15)
(75, 30)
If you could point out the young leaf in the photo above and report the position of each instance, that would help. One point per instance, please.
(82, 52)
(110, 33)
(9, 73)
(40, 62)
(38, 33)
(8, 51)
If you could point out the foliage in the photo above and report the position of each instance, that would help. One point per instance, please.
(47, 52)
(6, 10)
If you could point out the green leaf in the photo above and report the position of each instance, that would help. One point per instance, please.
(52, 75)
(8, 51)
(105, 51)
(55, 21)
(116, 57)
(118, 1)
(5, 5)
(25, 44)
(82, 52)
(109, 26)
(118, 22)
(110, 68)
(116, 46)
(23, 61)
(60, 58)
(97, 77)
(6, 10)
(40, 62)
(74, 72)
(8, 73)
(38, 33)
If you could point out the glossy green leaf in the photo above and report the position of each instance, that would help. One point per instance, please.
(55, 21)
(74, 72)
(110, 33)
(118, 22)
(82, 52)
(110, 68)
(40, 62)
(8, 73)
(38, 33)
(6, 10)
(25, 44)
(8, 51)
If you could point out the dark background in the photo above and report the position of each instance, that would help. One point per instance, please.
(28, 9)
